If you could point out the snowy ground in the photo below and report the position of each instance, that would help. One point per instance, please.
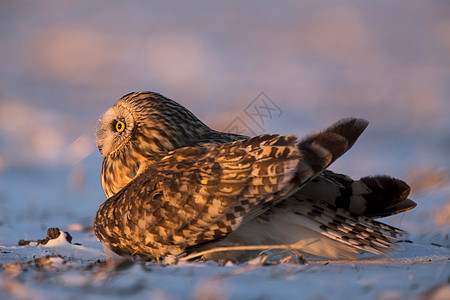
(74, 271)
(65, 62)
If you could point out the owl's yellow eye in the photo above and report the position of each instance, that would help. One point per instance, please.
(120, 126)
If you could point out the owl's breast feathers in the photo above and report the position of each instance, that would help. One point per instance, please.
(198, 194)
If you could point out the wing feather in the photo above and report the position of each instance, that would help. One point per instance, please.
(197, 194)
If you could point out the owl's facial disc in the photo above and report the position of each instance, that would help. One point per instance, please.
(115, 128)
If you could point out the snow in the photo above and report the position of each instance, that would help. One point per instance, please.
(410, 272)
(60, 241)
(65, 62)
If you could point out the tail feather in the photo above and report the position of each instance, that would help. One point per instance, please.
(388, 196)
(373, 197)
(357, 232)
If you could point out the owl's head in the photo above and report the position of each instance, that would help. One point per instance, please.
(146, 123)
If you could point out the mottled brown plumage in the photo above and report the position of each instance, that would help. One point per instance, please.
(174, 186)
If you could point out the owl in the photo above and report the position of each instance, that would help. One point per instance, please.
(174, 186)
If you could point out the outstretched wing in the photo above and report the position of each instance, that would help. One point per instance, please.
(198, 194)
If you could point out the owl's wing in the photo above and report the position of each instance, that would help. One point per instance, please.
(198, 194)
(371, 196)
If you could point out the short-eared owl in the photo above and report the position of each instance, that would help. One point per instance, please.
(176, 186)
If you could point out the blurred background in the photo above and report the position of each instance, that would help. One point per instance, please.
(63, 63)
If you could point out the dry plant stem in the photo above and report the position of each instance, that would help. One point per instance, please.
(245, 248)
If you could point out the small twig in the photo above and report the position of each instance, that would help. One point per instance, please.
(246, 248)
